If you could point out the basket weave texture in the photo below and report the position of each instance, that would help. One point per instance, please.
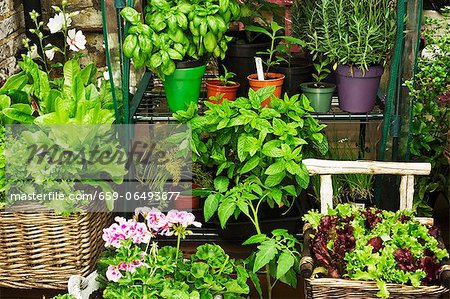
(42, 249)
(328, 288)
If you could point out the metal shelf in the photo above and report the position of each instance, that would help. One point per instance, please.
(154, 108)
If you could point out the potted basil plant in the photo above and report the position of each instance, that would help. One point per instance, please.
(175, 41)
(357, 36)
(319, 93)
(271, 79)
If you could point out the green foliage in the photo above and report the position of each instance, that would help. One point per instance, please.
(354, 32)
(176, 30)
(398, 231)
(321, 70)
(225, 78)
(257, 153)
(207, 273)
(74, 100)
(431, 114)
(273, 34)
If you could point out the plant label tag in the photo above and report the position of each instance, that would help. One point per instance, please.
(259, 68)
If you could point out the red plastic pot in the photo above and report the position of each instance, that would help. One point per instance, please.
(273, 79)
(215, 87)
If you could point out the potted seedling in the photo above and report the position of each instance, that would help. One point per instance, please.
(358, 38)
(269, 78)
(245, 45)
(319, 93)
(295, 69)
(223, 86)
(175, 41)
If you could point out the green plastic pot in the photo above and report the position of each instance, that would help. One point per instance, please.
(320, 96)
(183, 87)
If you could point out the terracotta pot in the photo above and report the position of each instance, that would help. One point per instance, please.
(186, 202)
(215, 87)
(274, 79)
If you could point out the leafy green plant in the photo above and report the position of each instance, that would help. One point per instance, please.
(430, 96)
(258, 155)
(133, 267)
(375, 245)
(65, 296)
(358, 32)
(322, 70)
(176, 30)
(225, 78)
(273, 34)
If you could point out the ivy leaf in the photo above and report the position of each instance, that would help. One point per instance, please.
(225, 211)
(211, 205)
(266, 252)
(221, 183)
(285, 263)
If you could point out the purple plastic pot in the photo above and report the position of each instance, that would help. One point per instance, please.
(357, 91)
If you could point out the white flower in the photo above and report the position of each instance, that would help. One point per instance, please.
(106, 75)
(33, 53)
(56, 23)
(50, 52)
(76, 40)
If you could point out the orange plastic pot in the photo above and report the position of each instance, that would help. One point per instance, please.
(215, 87)
(273, 79)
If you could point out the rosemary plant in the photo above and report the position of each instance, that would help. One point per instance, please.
(353, 32)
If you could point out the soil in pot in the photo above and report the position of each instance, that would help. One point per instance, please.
(357, 91)
(299, 72)
(271, 79)
(320, 95)
(183, 86)
(215, 87)
(240, 58)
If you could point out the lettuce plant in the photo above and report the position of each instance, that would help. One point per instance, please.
(375, 245)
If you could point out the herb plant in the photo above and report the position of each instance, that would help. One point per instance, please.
(257, 153)
(273, 34)
(133, 267)
(430, 96)
(375, 245)
(322, 70)
(176, 30)
(225, 78)
(358, 33)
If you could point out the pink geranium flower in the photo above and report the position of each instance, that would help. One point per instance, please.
(113, 274)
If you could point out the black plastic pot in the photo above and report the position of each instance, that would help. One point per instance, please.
(240, 58)
(298, 73)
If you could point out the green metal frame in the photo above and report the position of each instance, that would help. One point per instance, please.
(130, 103)
(392, 119)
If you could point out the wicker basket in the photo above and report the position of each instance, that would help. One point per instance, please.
(42, 250)
(321, 288)
(329, 288)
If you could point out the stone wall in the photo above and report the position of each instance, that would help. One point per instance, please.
(89, 20)
(12, 31)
